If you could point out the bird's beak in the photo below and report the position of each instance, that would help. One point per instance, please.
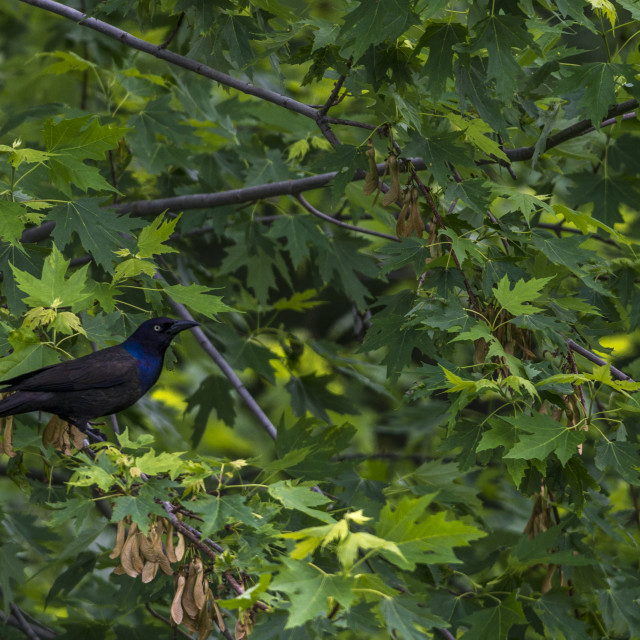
(181, 325)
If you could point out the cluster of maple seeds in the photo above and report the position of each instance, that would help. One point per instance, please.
(409, 219)
(143, 555)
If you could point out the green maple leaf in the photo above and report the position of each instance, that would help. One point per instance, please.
(620, 455)
(477, 131)
(494, 622)
(498, 35)
(408, 619)
(53, 289)
(543, 435)
(552, 610)
(217, 511)
(607, 192)
(374, 21)
(300, 232)
(213, 394)
(300, 498)
(152, 463)
(595, 82)
(152, 237)
(440, 38)
(12, 223)
(438, 150)
(343, 263)
(138, 508)
(501, 434)
(70, 142)
(422, 539)
(309, 590)
(513, 299)
(97, 227)
(197, 298)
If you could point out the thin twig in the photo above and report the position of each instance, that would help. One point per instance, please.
(560, 228)
(436, 214)
(331, 101)
(448, 635)
(160, 617)
(616, 373)
(173, 34)
(345, 225)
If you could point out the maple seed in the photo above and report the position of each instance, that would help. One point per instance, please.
(395, 188)
(117, 548)
(188, 601)
(176, 606)
(371, 179)
(401, 226)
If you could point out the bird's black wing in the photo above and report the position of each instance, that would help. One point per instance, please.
(102, 369)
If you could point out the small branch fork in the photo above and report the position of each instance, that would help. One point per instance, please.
(160, 51)
(21, 620)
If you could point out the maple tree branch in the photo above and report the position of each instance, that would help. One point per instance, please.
(616, 373)
(573, 131)
(226, 368)
(196, 537)
(345, 225)
(173, 58)
(242, 195)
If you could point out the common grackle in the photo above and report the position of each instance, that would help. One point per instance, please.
(97, 384)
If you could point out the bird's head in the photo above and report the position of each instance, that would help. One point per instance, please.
(156, 334)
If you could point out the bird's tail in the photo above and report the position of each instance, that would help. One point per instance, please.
(13, 404)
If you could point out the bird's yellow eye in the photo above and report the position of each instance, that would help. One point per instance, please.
(157, 327)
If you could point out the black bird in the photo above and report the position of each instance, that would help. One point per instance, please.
(97, 384)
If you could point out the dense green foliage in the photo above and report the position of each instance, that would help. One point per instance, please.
(410, 227)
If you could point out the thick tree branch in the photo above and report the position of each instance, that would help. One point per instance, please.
(240, 196)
